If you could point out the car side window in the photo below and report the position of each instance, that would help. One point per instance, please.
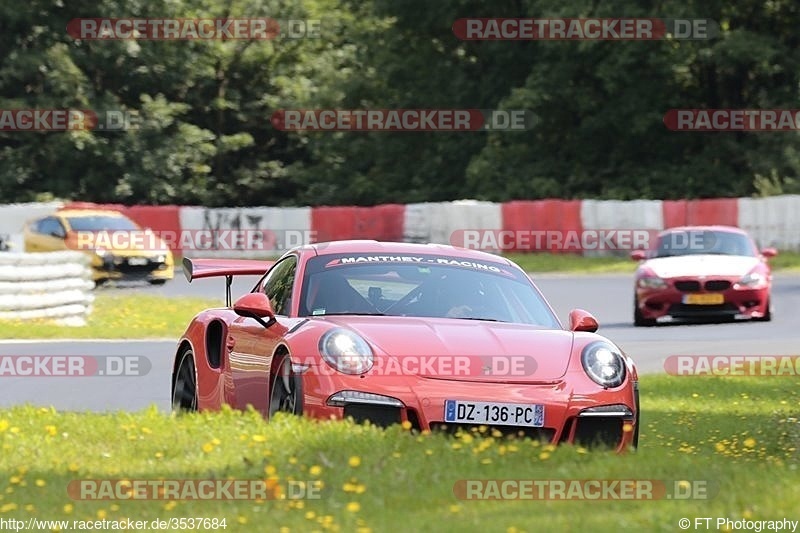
(278, 285)
(50, 226)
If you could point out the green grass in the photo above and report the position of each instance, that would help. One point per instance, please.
(571, 263)
(786, 261)
(738, 434)
(118, 317)
(576, 264)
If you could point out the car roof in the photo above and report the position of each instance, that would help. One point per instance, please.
(77, 213)
(385, 247)
(717, 227)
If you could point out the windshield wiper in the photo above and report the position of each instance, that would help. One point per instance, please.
(478, 318)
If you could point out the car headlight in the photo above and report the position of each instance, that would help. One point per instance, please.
(346, 351)
(101, 252)
(753, 279)
(604, 364)
(160, 258)
(652, 282)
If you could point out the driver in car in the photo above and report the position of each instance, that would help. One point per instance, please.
(459, 300)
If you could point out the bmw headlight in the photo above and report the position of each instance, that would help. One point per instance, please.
(752, 280)
(652, 282)
(346, 351)
(604, 364)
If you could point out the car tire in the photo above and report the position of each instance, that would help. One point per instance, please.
(639, 320)
(286, 387)
(156, 281)
(184, 384)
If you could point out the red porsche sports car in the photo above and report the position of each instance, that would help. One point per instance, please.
(701, 272)
(436, 336)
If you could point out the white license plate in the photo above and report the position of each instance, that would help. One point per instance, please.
(493, 413)
(137, 261)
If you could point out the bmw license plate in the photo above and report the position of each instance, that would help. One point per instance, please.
(493, 413)
(137, 261)
(703, 299)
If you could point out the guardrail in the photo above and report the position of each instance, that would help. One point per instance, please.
(53, 286)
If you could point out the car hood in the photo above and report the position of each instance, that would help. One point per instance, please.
(515, 353)
(702, 265)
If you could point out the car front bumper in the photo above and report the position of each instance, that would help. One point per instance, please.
(111, 267)
(607, 418)
(671, 302)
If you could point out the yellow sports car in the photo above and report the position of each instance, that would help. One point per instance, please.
(120, 249)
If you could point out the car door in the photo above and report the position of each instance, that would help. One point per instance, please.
(251, 345)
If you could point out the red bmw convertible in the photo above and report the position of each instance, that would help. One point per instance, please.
(700, 272)
(437, 337)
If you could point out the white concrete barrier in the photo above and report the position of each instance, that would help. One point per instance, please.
(621, 215)
(278, 228)
(772, 221)
(437, 222)
(54, 285)
(14, 216)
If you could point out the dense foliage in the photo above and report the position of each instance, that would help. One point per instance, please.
(205, 134)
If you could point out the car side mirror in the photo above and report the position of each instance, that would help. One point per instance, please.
(638, 255)
(769, 252)
(580, 320)
(255, 305)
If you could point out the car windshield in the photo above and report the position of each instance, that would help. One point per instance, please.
(100, 223)
(421, 286)
(695, 242)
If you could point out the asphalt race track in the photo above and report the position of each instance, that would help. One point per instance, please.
(96, 393)
(608, 297)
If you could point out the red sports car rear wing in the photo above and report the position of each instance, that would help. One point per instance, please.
(210, 268)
